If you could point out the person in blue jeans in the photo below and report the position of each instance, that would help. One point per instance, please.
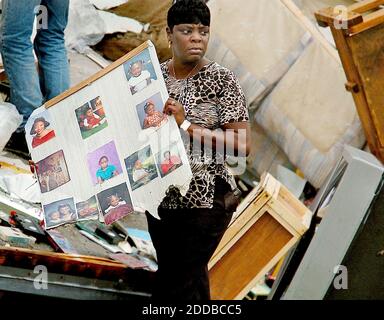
(32, 86)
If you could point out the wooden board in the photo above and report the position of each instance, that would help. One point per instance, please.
(360, 47)
(259, 245)
(367, 49)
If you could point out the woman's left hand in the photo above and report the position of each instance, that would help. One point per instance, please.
(175, 108)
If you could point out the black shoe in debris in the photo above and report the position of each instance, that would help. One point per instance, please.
(18, 145)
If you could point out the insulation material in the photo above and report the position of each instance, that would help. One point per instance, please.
(257, 48)
(310, 115)
(97, 154)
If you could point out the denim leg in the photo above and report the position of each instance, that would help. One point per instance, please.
(50, 49)
(16, 26)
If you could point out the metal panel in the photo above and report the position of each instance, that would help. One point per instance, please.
(67, 287)
(346, 212)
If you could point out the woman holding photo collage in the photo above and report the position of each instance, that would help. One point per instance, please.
(204, 97)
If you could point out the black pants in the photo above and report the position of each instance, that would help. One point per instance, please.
(185, 240)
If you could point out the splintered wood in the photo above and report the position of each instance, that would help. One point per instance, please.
(267, 224)
(358, 34)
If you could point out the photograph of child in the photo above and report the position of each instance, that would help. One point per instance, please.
(150, 112)
(88, 209)
(104, 163)
(141, 167)
(52, 172)
(169, 160)
(59, 212)
(40, 129)
(140, 72)
(91, 118)
(115, 203)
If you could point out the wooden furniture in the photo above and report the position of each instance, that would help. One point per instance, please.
(269, 221)
(358, 32)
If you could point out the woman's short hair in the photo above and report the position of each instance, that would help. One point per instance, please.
(103, 157)
(40, 119)
(188, 11)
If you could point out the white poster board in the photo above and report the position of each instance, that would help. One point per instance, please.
(104, 147)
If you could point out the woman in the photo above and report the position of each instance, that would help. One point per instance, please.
(41, 132)
(169, 163)
(153, 118)
(204, 98)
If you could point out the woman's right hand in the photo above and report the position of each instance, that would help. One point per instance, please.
(175, 108)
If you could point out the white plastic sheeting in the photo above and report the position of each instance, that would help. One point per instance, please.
(10, 119)
(85, 26)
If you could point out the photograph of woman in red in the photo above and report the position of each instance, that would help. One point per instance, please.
(40, 132)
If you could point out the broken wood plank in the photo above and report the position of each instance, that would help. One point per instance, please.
(364, 6)
(369, 21)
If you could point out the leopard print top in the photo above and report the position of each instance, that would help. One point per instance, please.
(211, 98)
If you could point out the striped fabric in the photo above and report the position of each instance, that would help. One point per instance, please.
(314, 164)
(310, 115)
(255, 89)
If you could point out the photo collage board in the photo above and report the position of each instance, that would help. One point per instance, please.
(105, 147)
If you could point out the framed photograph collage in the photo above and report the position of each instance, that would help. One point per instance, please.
(104, 147)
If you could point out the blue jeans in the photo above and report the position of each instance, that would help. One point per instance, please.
(31, 87)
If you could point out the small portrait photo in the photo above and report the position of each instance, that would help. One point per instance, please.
(139, 72)
(115, 203)
(150, 112)
(39, 129)
(52, 172)
(141, 167)
(104, 163)
(88, 209)
(59, 212)
(91, 117)
(169, 160)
